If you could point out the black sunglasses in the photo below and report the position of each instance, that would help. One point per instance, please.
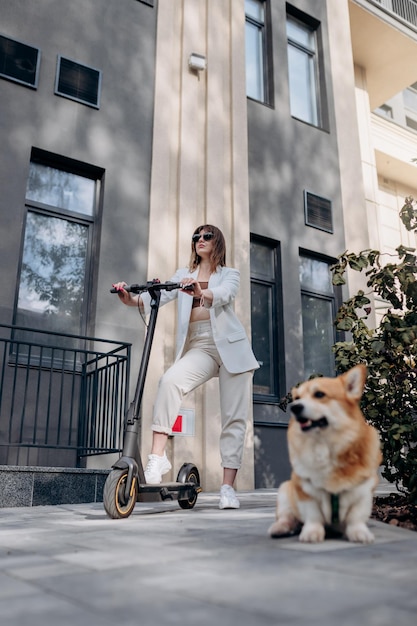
(206, 236)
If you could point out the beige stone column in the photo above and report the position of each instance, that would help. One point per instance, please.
(351, 117)
(199, 175)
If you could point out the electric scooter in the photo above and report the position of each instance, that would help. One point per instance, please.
(126, 484)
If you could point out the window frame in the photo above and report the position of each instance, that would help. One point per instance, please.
(62, 94)
(335, 298)
(319, 98)
(267, 74)
(276, 326)
(12, 79)
(409, 108)
(92, 222)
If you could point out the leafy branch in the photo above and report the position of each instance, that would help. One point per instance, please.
(389, 351)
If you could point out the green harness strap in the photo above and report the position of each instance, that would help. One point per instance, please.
(334, 501)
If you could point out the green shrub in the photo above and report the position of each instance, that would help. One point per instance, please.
(390, 351)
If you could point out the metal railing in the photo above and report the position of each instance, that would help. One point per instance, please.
(62, 397)
(406, 10)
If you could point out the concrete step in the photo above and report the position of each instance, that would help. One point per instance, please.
(39, 486)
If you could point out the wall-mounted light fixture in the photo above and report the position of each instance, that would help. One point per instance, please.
(197, 62)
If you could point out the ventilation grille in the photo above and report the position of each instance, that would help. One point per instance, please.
(78, 82)
(19, 62)
(318, 212)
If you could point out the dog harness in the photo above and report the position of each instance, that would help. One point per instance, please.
(334, 502)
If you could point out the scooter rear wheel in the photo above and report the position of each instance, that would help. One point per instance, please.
(188, 474)
(114, 500)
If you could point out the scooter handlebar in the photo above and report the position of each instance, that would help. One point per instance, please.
(154, 285)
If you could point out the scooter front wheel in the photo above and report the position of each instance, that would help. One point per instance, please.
(115, 502)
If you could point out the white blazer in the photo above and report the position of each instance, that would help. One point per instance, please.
(229, 334)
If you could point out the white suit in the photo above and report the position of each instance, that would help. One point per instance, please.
(229, 334)
(208, 348)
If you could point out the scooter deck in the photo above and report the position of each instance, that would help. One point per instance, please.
(167, 491)
(168, 485)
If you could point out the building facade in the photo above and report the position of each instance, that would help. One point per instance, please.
(124, 128)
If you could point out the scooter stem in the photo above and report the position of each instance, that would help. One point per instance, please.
(130, 442)
(133, 413)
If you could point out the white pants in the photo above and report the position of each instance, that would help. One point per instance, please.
(199, 363)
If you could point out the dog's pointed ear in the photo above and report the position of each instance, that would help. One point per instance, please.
(354, 381)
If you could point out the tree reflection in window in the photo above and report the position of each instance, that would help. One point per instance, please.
(53, 273)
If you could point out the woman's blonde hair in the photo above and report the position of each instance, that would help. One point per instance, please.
(218, 255)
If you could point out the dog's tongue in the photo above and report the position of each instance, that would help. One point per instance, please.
(306, 425)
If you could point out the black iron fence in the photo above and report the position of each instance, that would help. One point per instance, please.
(62, 397)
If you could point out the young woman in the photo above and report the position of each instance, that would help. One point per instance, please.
(211, 341)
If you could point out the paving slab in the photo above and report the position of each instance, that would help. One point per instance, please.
(71, 564)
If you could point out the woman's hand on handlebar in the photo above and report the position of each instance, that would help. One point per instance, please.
(191, 286)
(125, 296)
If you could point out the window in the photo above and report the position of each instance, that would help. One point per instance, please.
(257, 81)
(78, 82)
(410, 103)
(385, 110)
(59, 237)
(266, 302)
(19, 62)
(318, 310)
(410, 97)
(411, 123)
(303, 70)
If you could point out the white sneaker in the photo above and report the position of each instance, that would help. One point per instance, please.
(157, 466)
(228, 499)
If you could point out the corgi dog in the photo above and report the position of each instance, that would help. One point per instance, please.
(335, 455)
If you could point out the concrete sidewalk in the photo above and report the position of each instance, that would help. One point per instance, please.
(72, 566)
